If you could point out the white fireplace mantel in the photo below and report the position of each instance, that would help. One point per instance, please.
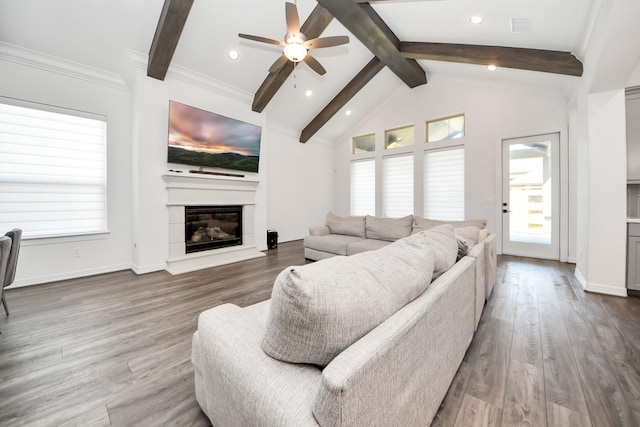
(193, 189)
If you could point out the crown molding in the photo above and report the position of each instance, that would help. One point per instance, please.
(54, 64)
(135, 61)
(632, 92)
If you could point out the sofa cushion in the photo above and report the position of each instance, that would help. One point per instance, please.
(365, 245)
(421, 224)
(319, 309)
(347, 225)
(334, 243)
(390, 229)
(445, 247)
(471, 234)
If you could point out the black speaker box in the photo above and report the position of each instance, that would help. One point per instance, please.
(272, 239)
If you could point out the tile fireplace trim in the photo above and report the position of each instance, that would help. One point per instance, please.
(190, 189)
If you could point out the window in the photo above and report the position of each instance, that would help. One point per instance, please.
(444, 184)
(52, 170)
(399, 137)
(398, 185)
(363, 143)
(363, 187)
(445, 128)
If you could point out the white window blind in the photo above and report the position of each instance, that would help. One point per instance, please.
(444, 184)
(363, 187)
(52, 171)
(397, 191)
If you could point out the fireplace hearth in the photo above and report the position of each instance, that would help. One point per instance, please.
(212, 227)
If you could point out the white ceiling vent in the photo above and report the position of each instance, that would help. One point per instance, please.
(521, 25)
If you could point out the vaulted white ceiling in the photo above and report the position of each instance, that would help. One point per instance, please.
(97, 33)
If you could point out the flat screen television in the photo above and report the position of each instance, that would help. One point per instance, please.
(205, 139)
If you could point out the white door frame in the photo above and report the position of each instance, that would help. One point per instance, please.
(564, 186)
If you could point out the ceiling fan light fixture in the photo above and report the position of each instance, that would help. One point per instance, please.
(294, 50)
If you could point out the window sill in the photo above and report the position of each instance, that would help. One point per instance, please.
(54, 240)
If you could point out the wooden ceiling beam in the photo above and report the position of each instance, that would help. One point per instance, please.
(340, 100)
(165, 40)
(549, 61)
(364, 23)
(313, 27)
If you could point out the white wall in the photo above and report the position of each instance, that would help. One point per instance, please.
(296, 180)
(492, 113)
(611, 59)
(51, 81)
(300, 191)
(634, 79)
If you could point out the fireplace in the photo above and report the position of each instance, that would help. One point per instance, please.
(212, 227)
(198, 191)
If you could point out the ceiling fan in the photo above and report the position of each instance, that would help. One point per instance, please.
(295, 44)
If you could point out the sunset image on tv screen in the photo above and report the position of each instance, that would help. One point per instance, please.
(202, 138)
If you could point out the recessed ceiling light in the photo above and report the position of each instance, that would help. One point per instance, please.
(233, 54)
(309, 92)
(476, 19)
(347, 113)
(492, 67)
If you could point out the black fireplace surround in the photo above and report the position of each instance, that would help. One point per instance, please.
(212, 227)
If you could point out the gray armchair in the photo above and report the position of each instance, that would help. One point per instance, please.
(5, 248)
(9, 275)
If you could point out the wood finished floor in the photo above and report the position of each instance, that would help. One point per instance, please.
(114, 349)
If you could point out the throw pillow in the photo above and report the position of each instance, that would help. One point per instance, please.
(464, 246)
(445, 247)
(389, 229)
(471, 234)
(320, 309)
(349, 225)
(421, 224)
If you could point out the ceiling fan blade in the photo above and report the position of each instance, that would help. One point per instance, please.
(261, 39)
(293, 20)
(326, 42)
(280, 62)
(314, 64)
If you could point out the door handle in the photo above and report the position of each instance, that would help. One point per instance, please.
(505, 211)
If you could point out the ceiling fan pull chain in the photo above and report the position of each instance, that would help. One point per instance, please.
(295, 64)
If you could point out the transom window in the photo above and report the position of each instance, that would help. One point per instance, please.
(398, 137)
(363, 143)
(445, 128)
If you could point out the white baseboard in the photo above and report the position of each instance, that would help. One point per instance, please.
(580, 278)
(39, 280)
(147, 268)
(599, 288)
(606, 289)
(289, 238)
(572, 260)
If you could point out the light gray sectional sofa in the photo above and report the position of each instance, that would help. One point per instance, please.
(355, 234)
(372, 339)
